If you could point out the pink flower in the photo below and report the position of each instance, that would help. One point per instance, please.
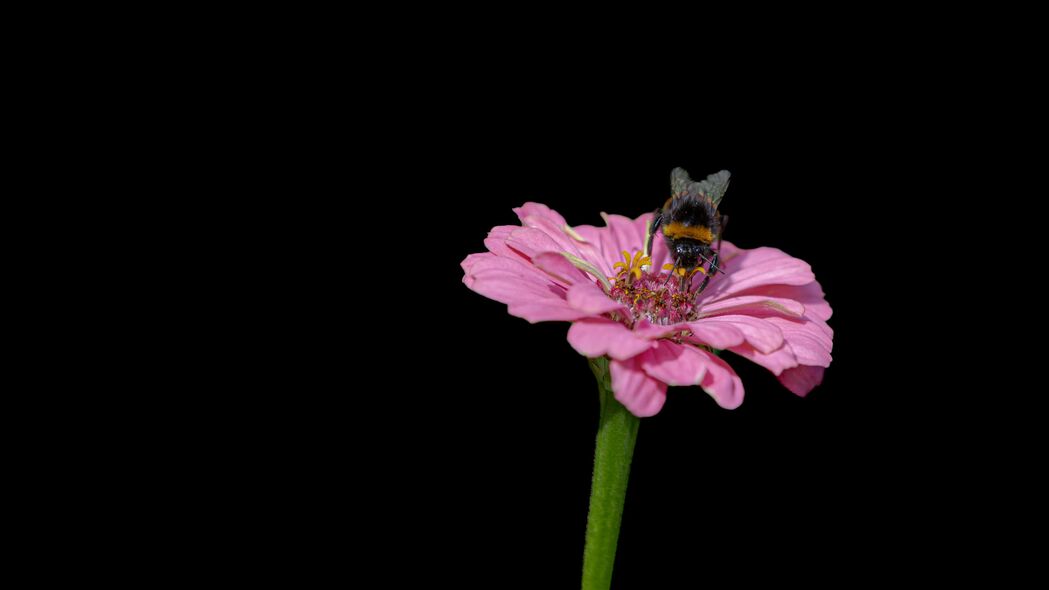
(767, 307)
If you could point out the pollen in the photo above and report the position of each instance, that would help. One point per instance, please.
(649, 295)
(681, 272)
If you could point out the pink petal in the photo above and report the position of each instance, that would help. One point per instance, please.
(717, 334)
(527, 291)
(810, 295)
(513, 278)
(539, 210)
(641, 394)
(721, 382)
(511, 290)
(545, 312)
(530, 241)
(801, 380)
(496, 242)
(468, 264)
(777, 361)
(649, 331)
(566, 243)
(625, 233)
(531, 298)
(559, 268)
(594, 337)
(809, 340)
(596, 238)
(513, 263)
(588, 297)
(754, 305)
(757, 267)
(806, 342)
(620, 233)
(729, 250)
(674, 364)
(764, 336)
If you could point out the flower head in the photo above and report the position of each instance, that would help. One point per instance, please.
(658, 330)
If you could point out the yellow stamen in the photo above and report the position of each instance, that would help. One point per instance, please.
(635, 265)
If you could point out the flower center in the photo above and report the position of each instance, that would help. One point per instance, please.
(655, 296)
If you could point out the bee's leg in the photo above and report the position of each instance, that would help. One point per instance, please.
(715, 266)
(676, 263)
(724, 222)
(706, 279)
(656, 222)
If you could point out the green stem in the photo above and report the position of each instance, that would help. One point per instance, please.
(616, 435)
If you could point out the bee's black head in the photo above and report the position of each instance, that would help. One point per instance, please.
(687, 252)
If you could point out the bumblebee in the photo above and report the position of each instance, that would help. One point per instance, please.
(691, 224)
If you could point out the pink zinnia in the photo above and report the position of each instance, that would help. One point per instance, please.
(767, 307)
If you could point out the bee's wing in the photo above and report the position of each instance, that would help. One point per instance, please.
(714, 186)
(680, 183)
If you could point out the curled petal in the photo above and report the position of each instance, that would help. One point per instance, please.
(468, 264)
(594, 337)
(801, 380)
(674, 364)
(810, 340)
(721, 382)
(641, 394)
(776, 361)
(806, 344)
(538, 210)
